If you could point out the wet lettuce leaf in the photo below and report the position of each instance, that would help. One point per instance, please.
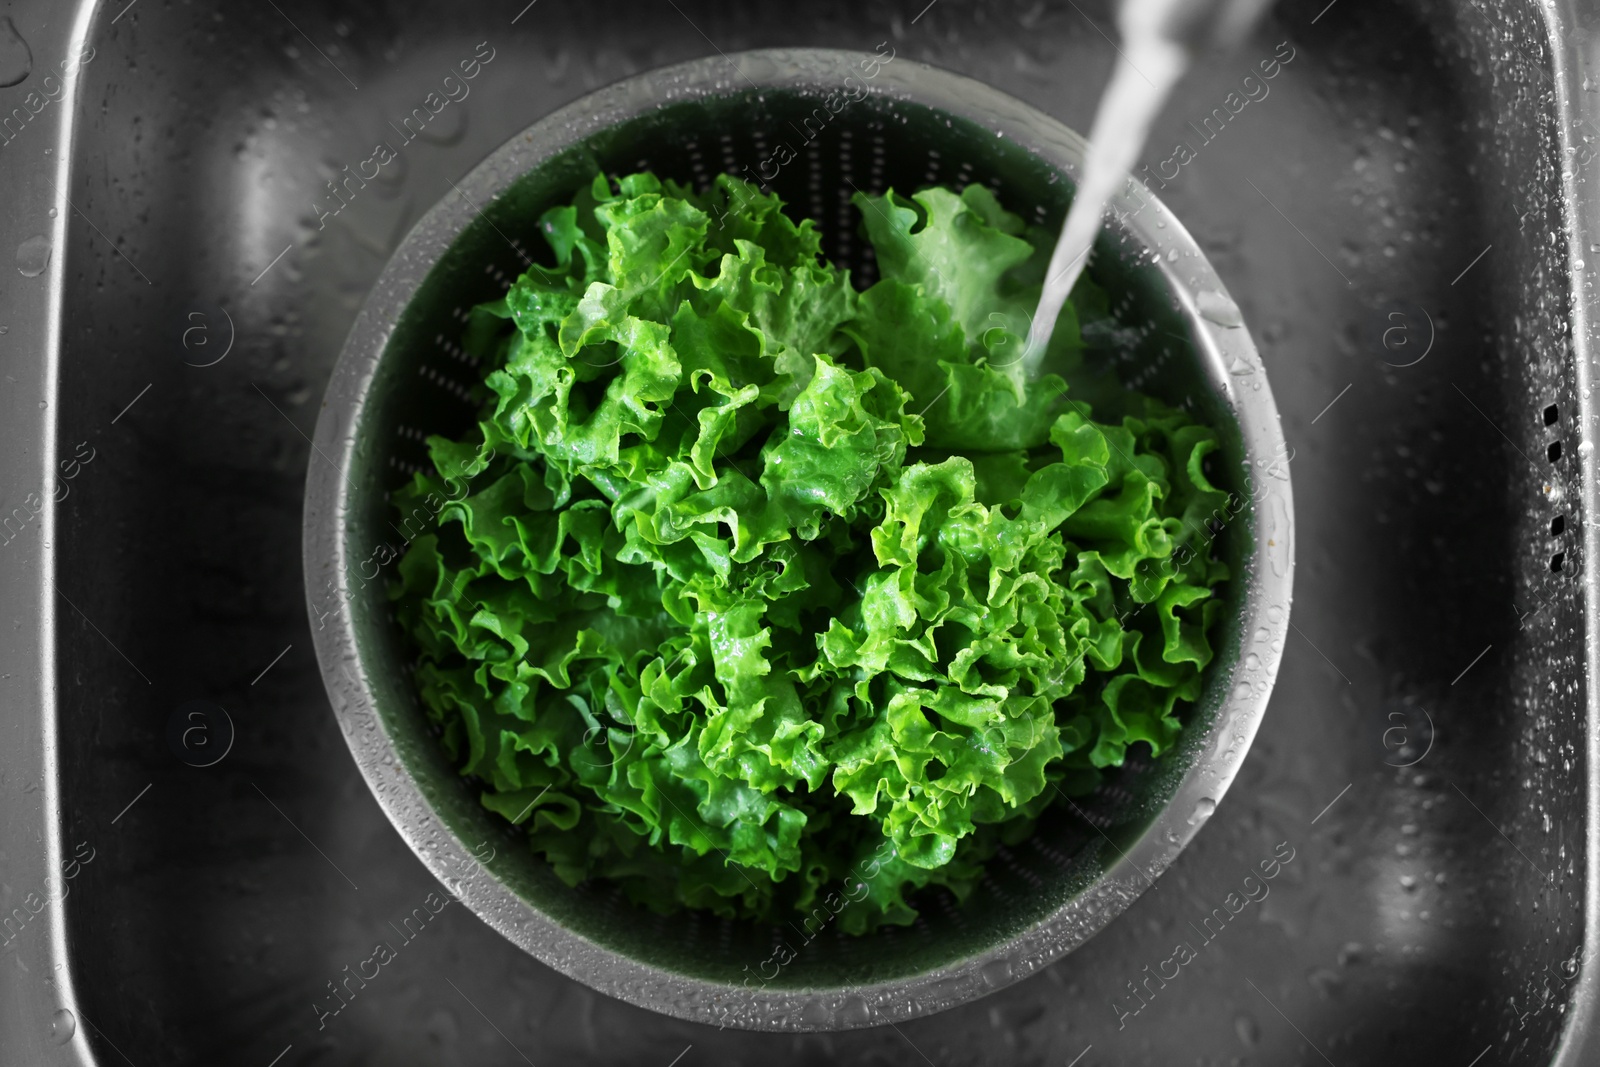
(749, 586)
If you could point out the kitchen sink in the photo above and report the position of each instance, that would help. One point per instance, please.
(191, 867)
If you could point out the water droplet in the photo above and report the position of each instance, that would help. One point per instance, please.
(63, 1024)
(996, 973)
(1252, 662)
(1278, 534)
(52, 213)
(1585, 447)
(33, 256)
(1408, 882)
(1218, 308)
(16, 58)
(1248, 1029)
(1202, 811)
(1325, 981)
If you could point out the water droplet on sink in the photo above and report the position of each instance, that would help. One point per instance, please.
(1202, 811)
(1248, 1029)
(33, 256)
(52, 213)
(63, 1024)
(1218, 308)
(1325, 981)
(1585, 447)
(16, 58)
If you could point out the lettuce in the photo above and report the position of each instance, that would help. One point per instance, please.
(746, 580)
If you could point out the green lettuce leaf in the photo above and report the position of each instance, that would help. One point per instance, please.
(749, 589)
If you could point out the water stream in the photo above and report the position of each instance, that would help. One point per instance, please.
(1159, 39)
(1148, 66)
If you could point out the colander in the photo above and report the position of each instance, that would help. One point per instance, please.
(814, 126)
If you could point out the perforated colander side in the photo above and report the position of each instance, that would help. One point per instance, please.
(818, 185)
(407, 378)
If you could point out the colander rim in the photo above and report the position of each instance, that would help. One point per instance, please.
(1268, 579)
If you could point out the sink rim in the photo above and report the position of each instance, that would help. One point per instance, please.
(32, 650)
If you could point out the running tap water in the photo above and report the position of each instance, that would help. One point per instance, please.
(1159, 40)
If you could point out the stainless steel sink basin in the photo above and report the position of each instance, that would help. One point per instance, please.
(194, 871)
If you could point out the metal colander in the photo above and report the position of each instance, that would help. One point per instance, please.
(815, 127)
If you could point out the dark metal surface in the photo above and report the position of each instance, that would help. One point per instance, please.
(1421, 159)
